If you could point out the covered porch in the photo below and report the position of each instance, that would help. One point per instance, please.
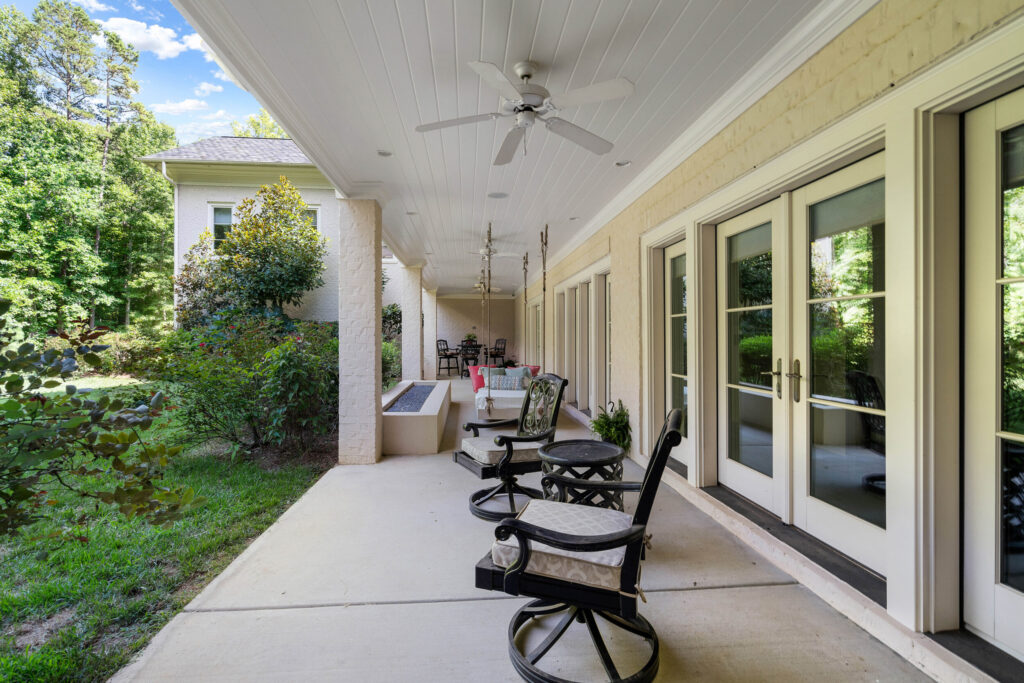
(369, 577)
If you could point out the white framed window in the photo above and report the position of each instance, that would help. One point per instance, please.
(221, 218)
(314, 215)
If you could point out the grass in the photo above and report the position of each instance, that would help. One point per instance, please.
(79, 611)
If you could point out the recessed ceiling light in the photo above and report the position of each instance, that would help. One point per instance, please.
(574, 218)
(410, 213)
(623, 164)
(497, 195)
(383, 153)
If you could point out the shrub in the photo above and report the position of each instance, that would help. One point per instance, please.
(272, 256)
(256, 380)
(391, 364)
(755, 353)
(75, 440)
(391, 323)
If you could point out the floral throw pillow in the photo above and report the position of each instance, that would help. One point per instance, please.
(505, 382)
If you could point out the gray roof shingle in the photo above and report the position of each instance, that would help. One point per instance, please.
(236, 150)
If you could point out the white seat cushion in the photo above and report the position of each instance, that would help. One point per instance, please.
(483, 449)
(601, 569)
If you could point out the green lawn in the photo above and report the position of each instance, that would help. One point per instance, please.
(79, 611)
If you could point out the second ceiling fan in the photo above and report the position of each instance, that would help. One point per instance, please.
(530, 103)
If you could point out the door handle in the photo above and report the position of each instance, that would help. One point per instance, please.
(795, 377)
(778, 377)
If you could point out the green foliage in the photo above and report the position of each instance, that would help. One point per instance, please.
(90, 227)
(201, 293)
(391, 322)
(114, 593)
(64, 55)
(73, 440)
(271, 257)
(273, 254)
(259, 125)
(755, 353)
(255, 381)
(612, 425)
(391, 364)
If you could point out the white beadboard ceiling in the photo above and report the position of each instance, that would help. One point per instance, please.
(347, 78)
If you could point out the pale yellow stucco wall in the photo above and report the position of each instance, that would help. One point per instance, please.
(891, 43)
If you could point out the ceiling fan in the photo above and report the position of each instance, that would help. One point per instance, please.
(485, 251)
(530, 103)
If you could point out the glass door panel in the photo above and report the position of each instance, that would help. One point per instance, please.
(752, 433)
(994, 372)
(839, 330)
(676, 322)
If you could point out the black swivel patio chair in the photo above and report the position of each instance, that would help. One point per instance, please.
(578, 561)
(447, 355)
(508, 455)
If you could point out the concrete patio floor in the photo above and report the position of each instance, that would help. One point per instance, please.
(369, 577)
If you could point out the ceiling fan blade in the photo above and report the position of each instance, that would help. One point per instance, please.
(423, 128)
(496, 78)
(598, 92)
(573, 133)
(508, 148)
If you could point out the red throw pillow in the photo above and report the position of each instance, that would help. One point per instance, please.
(534, 369)
(474, 376)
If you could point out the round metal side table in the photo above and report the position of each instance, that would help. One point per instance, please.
(584, 459)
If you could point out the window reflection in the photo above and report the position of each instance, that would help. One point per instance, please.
(750, 429)
(848, 461)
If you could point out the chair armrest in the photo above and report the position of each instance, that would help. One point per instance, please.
(525, 532)
(562, 482)
(503, 439)
(475, 427)
(506, 440)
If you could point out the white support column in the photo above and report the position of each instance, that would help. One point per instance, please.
(359, 334)
(429, 333)
(410, 294)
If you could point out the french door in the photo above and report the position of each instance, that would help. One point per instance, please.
(677, 379)
(838, 402)
(994, 372)
(752, 343)
(801, 316)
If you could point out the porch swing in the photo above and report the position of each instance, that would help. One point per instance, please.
(506, 456)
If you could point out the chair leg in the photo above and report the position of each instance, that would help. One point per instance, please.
(526, 663)
(508, 488)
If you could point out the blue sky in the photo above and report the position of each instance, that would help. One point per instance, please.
(178, 80)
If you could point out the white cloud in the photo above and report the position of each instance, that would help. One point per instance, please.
(219, 115)
(175, 108)
(93, 5)
(159, 40)
(204, 89)
(221, 75)
(194, 130)
(138, 7)
(194, 42)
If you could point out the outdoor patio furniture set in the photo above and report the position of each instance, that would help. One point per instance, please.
(571, 547)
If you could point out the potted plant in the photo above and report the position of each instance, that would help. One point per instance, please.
(470, 337)
(612, 425)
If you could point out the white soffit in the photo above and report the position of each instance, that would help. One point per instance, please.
(350, 77)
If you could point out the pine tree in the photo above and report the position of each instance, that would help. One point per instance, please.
(64, 54)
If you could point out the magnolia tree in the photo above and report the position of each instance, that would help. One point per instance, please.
(271, 257)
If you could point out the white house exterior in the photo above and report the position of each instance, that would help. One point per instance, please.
(218, 173)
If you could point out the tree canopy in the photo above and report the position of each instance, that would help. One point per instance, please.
(90, 228)
(260, 125)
